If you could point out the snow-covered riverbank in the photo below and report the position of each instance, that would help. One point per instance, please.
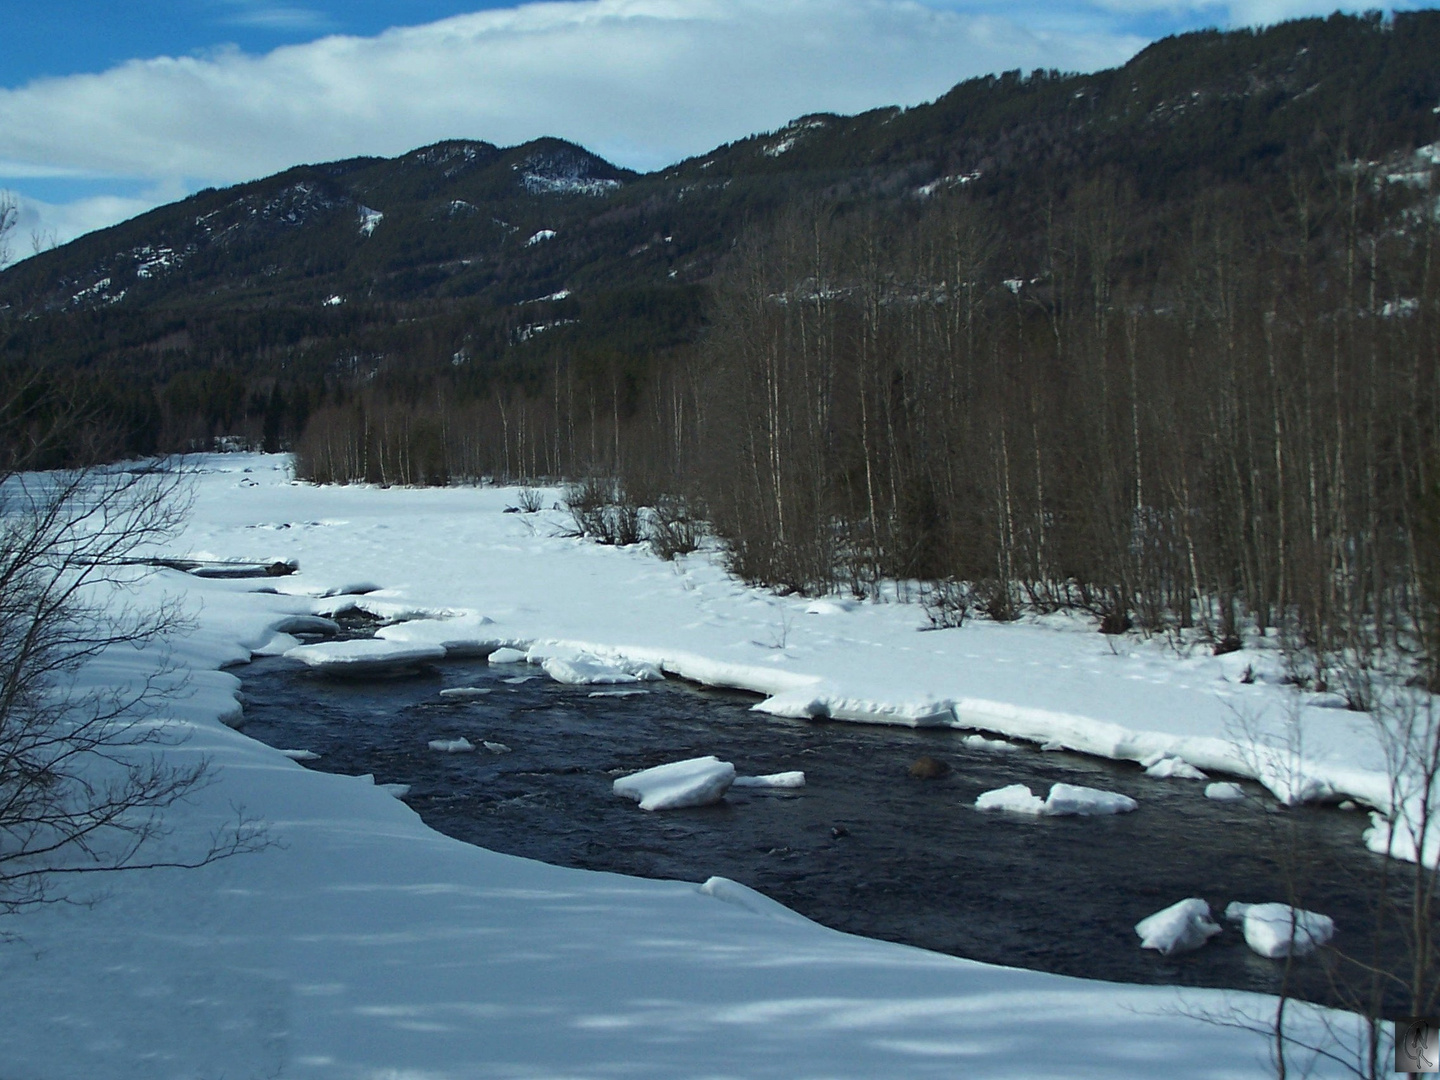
(362, 944)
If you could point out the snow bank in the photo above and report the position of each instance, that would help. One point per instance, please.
(1064, 800)
(793, 779)
(1279, 930)
(1181, 927)
(464, 635)
(365, 658)
(1168, 767)
(693, 782)
(588, 670)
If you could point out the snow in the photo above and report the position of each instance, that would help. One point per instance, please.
(1167, 767)
(464, 693)
(1279, 930)
(1224, 792)
(300, 755)
(363, 944)
(694, 782)
(1016, 798)
(540, 237)
(1064, 800)
(365, 657)
(1181, 927)
(369, 219)
(465, 635)
(584, 669)
(793, 779)
(980, 742)
(461, 745)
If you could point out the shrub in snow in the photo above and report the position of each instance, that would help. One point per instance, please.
(1279, 930)
(693, 782)
(1178, 928)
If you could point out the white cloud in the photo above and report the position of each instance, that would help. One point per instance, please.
(644, 82)
(41, 225)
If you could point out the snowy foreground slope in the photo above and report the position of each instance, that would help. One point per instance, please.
(362, 944)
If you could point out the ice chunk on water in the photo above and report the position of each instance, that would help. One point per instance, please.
(464, 635)
(693, 782)
(1224, 792)
(398, 790)
(1169, 767)
(773, 780)
(1179, 928)
(365, 657)
(1064, 800)
(461, 745)
(1074, 799)
(980, 742)
(587, 670)
(495, 747)
(464, 693)
(1279, 930)
(1017, 798)
(507, 656)
(300, 755)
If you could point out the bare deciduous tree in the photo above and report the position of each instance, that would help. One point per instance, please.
(85, 774)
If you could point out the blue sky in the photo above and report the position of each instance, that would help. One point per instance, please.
(108, 109)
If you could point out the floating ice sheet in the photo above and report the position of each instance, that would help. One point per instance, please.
(1181, 927)
(1279, 930)
(693, 782)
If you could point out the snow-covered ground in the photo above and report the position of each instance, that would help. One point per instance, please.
(362, 944)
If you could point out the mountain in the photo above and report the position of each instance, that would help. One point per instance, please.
(465, 255)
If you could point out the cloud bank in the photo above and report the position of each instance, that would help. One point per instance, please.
(641, 82)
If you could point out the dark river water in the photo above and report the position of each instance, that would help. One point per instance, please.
(863, 846)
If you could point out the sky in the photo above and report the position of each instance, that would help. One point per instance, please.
(108, 109)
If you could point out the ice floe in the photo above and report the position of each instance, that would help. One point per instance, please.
(464, 693)
(461, 745)
(793, 779)
(301, 755)
(1224, 791)
(506, 655)
(1181, 927)
(980, 742)
(1170, 767)
(693, 782)
(465, 635)
(587, 670)
(1279, 930)
(1064, 800)
(1016, 798)
(366, 657)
